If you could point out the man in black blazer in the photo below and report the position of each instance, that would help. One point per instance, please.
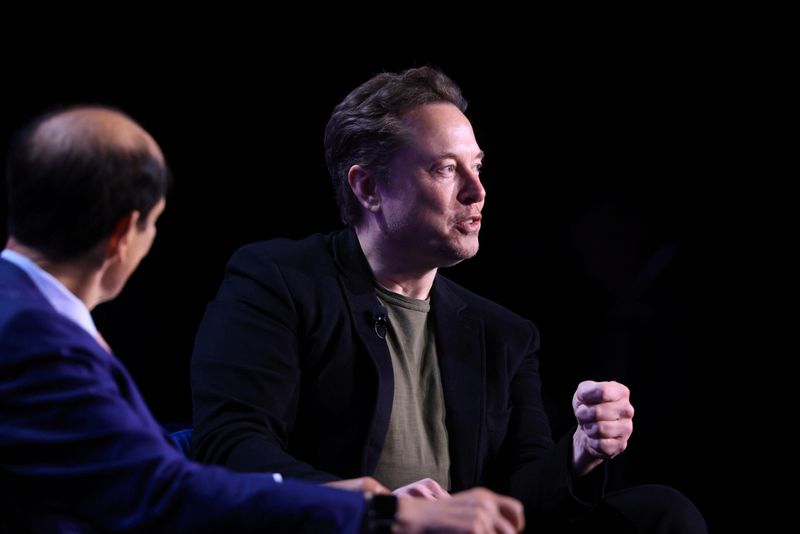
(349, 355)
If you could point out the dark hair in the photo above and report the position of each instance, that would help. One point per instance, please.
(67, 193)
(366, 128)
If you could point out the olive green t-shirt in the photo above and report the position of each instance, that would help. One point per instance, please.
(416, 442)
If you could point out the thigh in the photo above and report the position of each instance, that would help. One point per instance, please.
(655, 508)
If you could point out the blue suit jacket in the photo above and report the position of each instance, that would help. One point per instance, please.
(79, 450)
(289, 375)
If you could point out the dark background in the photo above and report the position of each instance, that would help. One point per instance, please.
(615, 169)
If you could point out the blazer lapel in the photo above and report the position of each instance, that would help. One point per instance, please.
(357, 285)
(460, 347)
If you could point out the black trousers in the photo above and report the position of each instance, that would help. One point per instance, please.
(649, 508)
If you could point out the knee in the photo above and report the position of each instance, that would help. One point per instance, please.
(678, 513)
(660, 509)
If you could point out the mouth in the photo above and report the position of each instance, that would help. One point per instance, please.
(469, 225)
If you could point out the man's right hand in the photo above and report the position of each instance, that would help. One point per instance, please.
(427, 488)
(473, 511)
(362, 484)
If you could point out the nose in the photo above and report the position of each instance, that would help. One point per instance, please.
(472, 191)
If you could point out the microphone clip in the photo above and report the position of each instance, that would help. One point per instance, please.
(380, 321)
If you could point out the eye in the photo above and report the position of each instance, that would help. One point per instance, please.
(445, 170)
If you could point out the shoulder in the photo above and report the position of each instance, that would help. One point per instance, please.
(35, 322)
(493, 315)
(307, 253)
(38, 343)
(279, 269)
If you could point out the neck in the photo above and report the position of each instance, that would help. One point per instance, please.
(392, 269)
(79, 276)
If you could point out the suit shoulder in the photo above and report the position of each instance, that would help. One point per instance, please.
(485, 309)
(35, 330)
(308, 253)
(17, 316)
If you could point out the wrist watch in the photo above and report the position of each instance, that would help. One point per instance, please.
(380, 515)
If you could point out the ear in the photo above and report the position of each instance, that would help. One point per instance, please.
(120, 238)
(363, 184)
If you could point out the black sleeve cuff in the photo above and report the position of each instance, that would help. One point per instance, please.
(590, 488)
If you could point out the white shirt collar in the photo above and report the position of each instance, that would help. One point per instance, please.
(61, 298)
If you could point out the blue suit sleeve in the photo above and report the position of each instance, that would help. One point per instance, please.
(77, 440)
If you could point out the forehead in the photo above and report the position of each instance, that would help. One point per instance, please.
(435, 117)
(440, 126)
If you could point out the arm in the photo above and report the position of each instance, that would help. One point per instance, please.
(536, 468)
(531, 467)
(246, 373)
(77, 441)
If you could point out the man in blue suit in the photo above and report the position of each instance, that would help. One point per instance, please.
(79, 449)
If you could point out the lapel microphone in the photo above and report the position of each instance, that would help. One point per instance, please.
(380, 321)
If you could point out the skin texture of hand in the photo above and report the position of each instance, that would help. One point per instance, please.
(476, 511)
(367, 485)
(427, 488)
(605, 422)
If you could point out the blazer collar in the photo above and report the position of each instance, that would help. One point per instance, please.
(462, 364)
(359, 290)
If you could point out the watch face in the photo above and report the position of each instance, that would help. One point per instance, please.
(385, 506)
(381, 512)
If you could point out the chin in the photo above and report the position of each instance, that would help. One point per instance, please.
(469, 248)
(455, 255)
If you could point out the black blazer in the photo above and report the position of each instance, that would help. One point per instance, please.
(289, 375)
